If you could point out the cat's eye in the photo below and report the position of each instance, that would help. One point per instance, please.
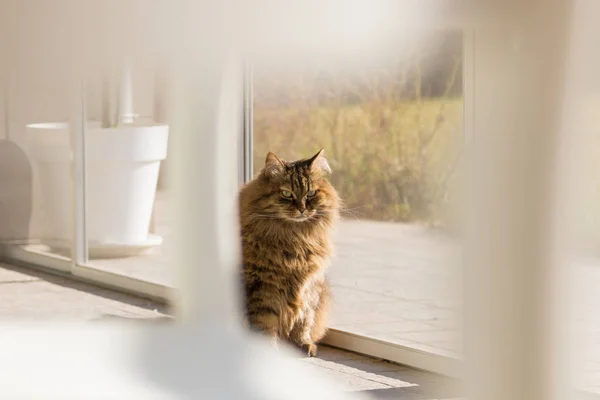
(312, 193)
(286, 193)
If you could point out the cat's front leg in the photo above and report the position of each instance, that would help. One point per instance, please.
(310, 349)
(301, 334)
(308, 345)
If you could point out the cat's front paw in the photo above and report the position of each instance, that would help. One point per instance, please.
(309, 349)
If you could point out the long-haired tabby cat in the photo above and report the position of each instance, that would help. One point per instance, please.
(287, 213)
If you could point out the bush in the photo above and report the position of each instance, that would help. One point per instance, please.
(392, 130)
(390, 161)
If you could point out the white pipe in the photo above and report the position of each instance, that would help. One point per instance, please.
(126, 115)
(5, 107)
(105, 115)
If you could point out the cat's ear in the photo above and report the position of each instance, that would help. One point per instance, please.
(319, 162)
(273, 164)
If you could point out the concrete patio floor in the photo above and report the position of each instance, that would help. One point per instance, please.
(30, 294)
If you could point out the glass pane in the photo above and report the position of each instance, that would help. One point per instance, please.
(390, 120)
(39, 94)
(126, 150)
(126, 142)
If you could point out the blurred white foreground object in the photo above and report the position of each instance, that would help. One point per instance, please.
(512, 346)
(75, 361)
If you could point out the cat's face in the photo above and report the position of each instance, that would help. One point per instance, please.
(297, 191)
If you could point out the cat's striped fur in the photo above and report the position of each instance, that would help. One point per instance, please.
(287, 213)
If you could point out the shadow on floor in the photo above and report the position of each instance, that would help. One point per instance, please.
(69, 283)
(119, 318)
(427, 385)
(406, 393)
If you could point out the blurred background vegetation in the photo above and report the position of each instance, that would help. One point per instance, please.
(390, 120)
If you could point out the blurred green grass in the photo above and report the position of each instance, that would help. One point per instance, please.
(392, 160)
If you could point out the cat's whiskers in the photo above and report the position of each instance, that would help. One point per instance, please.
(343, 211)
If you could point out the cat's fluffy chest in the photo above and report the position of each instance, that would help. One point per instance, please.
(299, 253)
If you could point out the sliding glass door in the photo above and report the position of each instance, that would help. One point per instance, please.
(390, 118)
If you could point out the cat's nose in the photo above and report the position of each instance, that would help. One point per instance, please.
(301, 210)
